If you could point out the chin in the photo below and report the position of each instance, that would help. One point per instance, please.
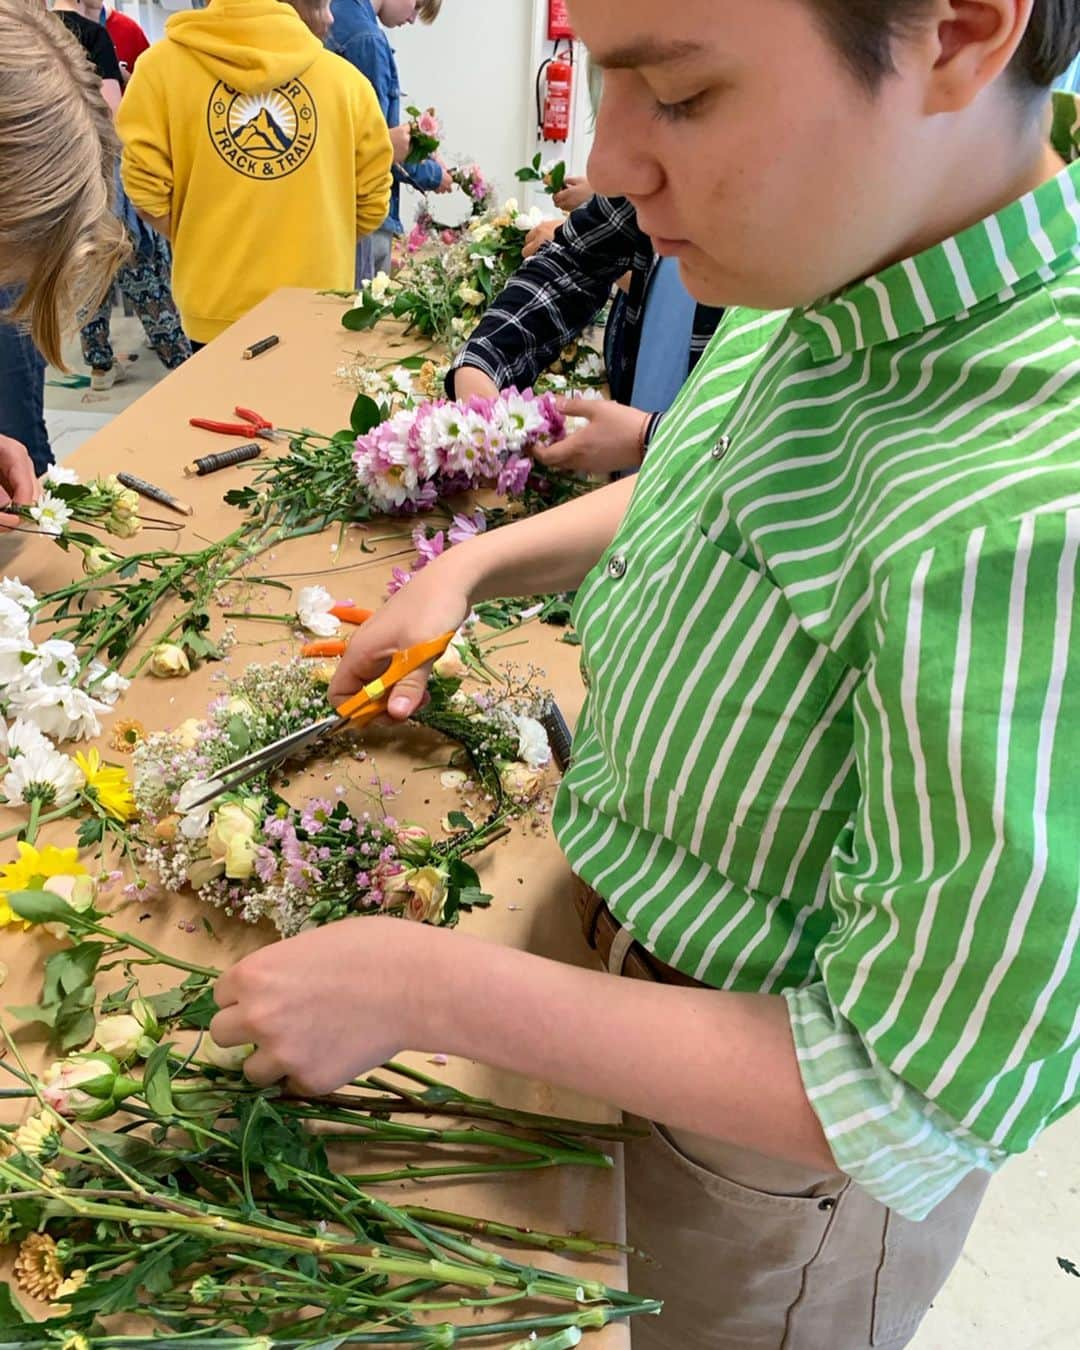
(707, 285)
(711, 286)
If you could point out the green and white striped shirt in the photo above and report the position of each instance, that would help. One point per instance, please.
(831, 747)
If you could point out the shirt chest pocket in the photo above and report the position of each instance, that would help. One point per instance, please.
(733, 727)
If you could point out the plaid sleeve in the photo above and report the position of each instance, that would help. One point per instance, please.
(553, 295)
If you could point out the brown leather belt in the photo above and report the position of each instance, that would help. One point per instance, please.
(603, 932)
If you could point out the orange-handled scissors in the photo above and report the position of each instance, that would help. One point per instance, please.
(364, 707)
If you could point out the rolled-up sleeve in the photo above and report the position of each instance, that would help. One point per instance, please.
(943, 1033)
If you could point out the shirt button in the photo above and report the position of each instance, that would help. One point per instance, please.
(616, 568)
(722, 446)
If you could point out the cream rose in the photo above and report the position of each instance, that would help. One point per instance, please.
(428, 886)
(230, 1058)
(189, 733)
(167, 661)
(97, 559)
(232, 837)
(451, 665)
(519, 781)
(79, 893)
(120, 1035)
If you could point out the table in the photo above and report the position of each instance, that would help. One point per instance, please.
(295, 385)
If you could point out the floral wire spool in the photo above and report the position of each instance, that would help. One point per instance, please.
(258, 856)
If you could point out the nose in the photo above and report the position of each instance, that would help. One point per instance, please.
(621, 163)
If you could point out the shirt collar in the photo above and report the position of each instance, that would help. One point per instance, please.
(1027, 241)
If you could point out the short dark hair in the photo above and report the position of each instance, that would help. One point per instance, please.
(864, 31)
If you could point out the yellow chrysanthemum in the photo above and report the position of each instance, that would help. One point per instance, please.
(38, 1269)
(35, 1136)
(108, 784)
(127, 734)
(31, 870)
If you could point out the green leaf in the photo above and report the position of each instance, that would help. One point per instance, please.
(365, 415)
(76, 1031)
(413, 362)
(200, 1012)
(45, 1013)
(462, 875)
(1068, 1266)
(459, 821)
(360, 320)
(557, 179)
(77, 967)
(91, 831)
(157, 1086)
(47, 907)
(12, 1313)
(169, 1003)
(239, 733)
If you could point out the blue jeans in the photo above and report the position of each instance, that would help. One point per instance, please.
(22, 391)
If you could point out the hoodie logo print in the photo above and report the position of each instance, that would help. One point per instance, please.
(263, 136)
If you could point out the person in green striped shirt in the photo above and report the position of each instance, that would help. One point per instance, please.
(825, 778)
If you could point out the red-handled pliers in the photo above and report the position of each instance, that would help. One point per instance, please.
(252, 424)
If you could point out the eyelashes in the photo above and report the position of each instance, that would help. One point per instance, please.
(682, 111)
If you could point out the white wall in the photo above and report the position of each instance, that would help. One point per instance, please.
(477, 66)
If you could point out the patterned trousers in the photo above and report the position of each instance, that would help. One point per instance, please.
(145, 283)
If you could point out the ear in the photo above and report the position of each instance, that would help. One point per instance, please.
(976, 40)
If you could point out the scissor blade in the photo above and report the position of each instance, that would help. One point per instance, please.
(262, 761)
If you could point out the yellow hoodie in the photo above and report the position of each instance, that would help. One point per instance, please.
(269, 153)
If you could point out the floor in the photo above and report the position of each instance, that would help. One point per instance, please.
(1008, 1292)
(73, 415)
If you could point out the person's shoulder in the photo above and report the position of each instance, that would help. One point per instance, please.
(331, 65)
(332, 70)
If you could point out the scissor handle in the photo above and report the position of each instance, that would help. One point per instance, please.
(371, 701)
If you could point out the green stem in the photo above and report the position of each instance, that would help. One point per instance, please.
(32, 820)
(129, 940)
(46, 819)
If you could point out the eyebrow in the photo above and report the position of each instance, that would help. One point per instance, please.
(648, 52)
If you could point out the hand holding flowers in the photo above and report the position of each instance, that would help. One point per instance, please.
(425, 135)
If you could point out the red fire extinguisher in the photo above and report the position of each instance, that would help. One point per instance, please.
(558, 20)
(555, 96)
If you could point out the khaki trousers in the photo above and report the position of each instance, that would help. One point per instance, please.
(749, 1253)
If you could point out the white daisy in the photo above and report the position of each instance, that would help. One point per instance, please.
(104, 683)
(195, 819)
(42, 774)
(51, 513)
(14, 620)
(56, 476)
(313, 606)
(60, 711)
(11, 588)
(533, 746)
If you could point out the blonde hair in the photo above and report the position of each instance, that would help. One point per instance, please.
(428, 10)
(59, 237)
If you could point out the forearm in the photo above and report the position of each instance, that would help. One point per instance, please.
(543, 554)
(717, 1064)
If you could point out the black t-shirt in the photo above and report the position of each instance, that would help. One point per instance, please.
(95, 41)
